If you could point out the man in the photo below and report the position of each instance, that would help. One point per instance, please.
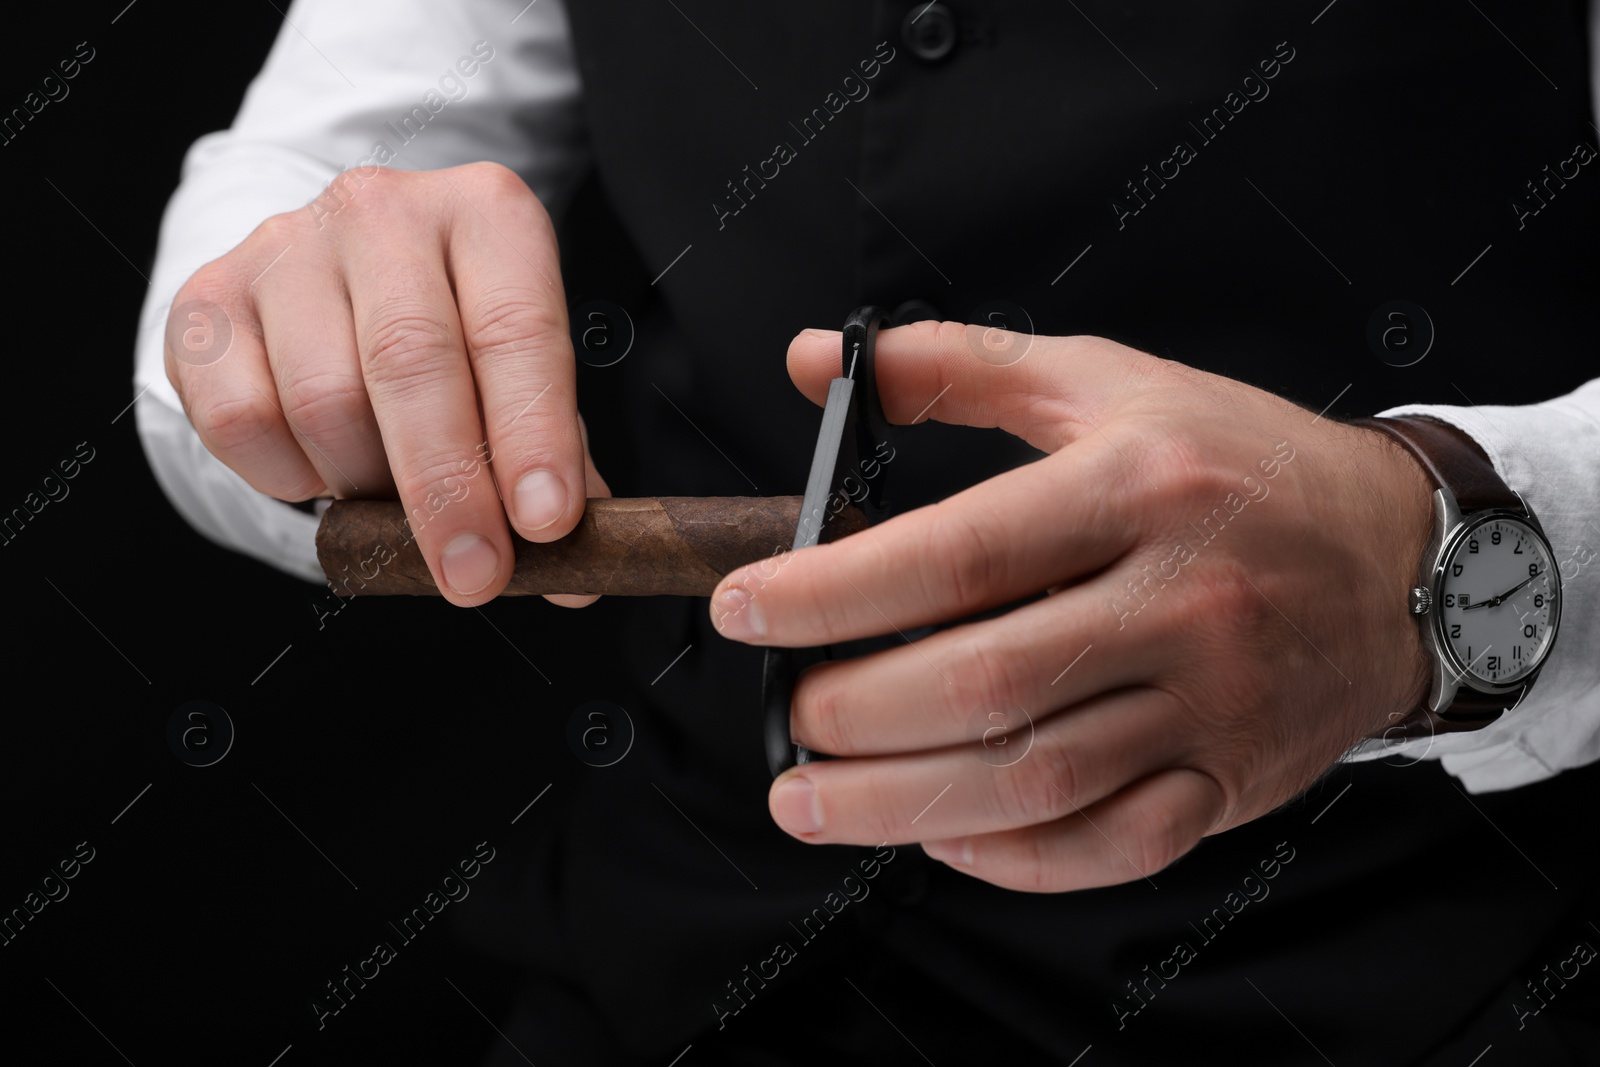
(1227, 572)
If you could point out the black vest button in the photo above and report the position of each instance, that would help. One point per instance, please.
(929, 31)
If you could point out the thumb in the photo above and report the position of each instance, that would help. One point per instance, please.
(1045, 390)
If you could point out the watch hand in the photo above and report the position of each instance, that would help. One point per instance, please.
(1501, 599)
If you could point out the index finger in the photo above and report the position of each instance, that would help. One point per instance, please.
(963, 555)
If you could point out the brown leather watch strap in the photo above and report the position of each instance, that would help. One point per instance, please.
(1455, 462)
(1452, 459)
(1470, 710)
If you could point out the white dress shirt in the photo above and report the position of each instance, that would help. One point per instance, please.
(344, 73)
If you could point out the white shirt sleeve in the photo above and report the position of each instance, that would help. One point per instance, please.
(343, 77)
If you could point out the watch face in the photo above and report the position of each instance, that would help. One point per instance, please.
(1499, 595)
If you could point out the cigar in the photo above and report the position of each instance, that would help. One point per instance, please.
(651, 546)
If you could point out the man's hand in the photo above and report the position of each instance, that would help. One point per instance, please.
(1227, 614)
(395, 336)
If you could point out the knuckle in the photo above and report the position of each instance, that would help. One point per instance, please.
(941, 336)
(1159, 838)
(504, 191)
(497, 179)
(1221, 619)
(985, 680)
(868, 807)
(960, 559)
(1145, 370)
(1036, 790)
(797, 595)
(325, 403)
(379, 192)
(433, 483)
(504, 322)
(932, 335)
(821, 710)
(1232, 601)
(1214, 612)
(276, 231)
(217, 283)
(1034, 870)
(1183, 466)
(408, 342)
(1060, 768)
(888, 813)
(232, 424)
(304, 486)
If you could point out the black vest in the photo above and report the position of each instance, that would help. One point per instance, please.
(1304, 201)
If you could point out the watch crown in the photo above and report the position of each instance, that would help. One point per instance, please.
(1421, 601)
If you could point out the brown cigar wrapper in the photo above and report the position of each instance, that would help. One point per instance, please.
(660, 546)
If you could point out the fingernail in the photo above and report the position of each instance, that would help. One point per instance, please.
(796, 806)
(738, 617)
(956, 851)
(541, 499)
(470, 563)
(825, 335)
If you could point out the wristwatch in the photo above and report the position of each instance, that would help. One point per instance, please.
(1488, 592)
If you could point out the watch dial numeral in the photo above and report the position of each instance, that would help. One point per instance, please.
(1494, 537)
(1455, 630)
(1518, 550)
(1538, 600)
(1472, 546)
(1455, 570)
(1533, 570)
(1449, 600)
(1529, 630)
(1493, 666)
